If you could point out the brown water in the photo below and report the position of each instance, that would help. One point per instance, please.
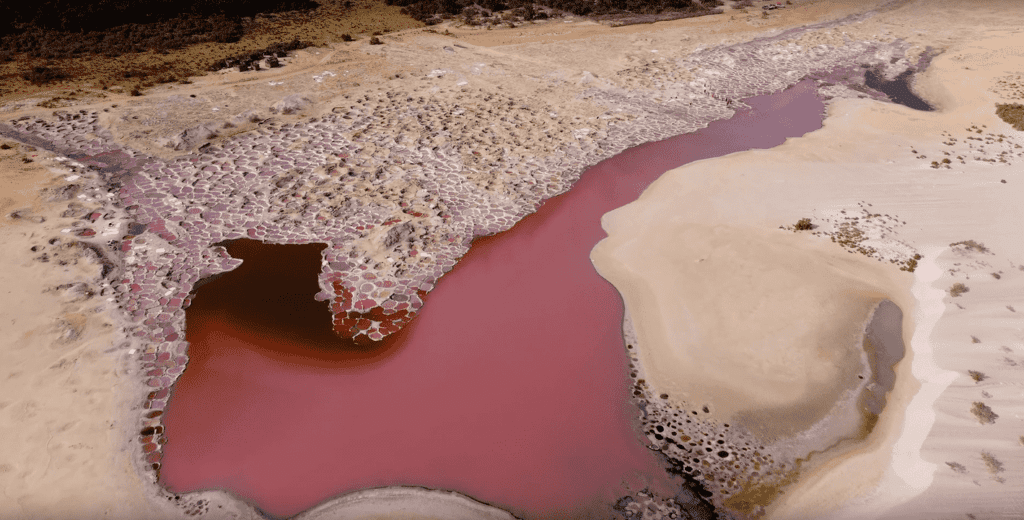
(510, 386)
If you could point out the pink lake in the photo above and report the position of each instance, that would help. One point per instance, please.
(510, 386)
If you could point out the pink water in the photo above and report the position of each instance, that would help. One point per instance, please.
(510, 386)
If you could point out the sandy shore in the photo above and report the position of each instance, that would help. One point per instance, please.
(91, 347)
(707, 274)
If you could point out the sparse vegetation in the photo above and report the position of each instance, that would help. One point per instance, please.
(250, 60)
(1012, 114)
(911, 264)
(376, 41)
(995, 467)
(984, 414)
(974, 339)
(804, 224)
(971, 245)
(434, 11)
(44, 75)
(957, 467)
(347, 37)
(977, 376)
(957, 289)
(148, 50)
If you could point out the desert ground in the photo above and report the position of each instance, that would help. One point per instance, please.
(398, 155)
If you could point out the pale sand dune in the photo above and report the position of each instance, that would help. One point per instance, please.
(863, 153)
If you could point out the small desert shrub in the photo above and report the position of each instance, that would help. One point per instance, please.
(993, 464)
(957, 289)
(136, 91)
(984, 414)
(972, 245)
(347, 37)
(957, 467)
(1012, 113)
(977, 376)
(804, 224)
(5, 146)
(974, 339)
(376, 41)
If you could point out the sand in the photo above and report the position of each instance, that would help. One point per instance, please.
(71, 433)
(709, 232)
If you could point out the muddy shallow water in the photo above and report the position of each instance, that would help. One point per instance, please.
(511, 385)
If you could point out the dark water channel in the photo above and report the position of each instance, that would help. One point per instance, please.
(898, 90)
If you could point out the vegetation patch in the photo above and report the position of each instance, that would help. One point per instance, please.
(970, 245)
(994, 465)
(803, 224)
(494, 12)
(1012, 114)
(957, 289)
(251, 60)
(957, 467)
(977, 376)
(144, 49)
(44, 75)
(984, 414)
